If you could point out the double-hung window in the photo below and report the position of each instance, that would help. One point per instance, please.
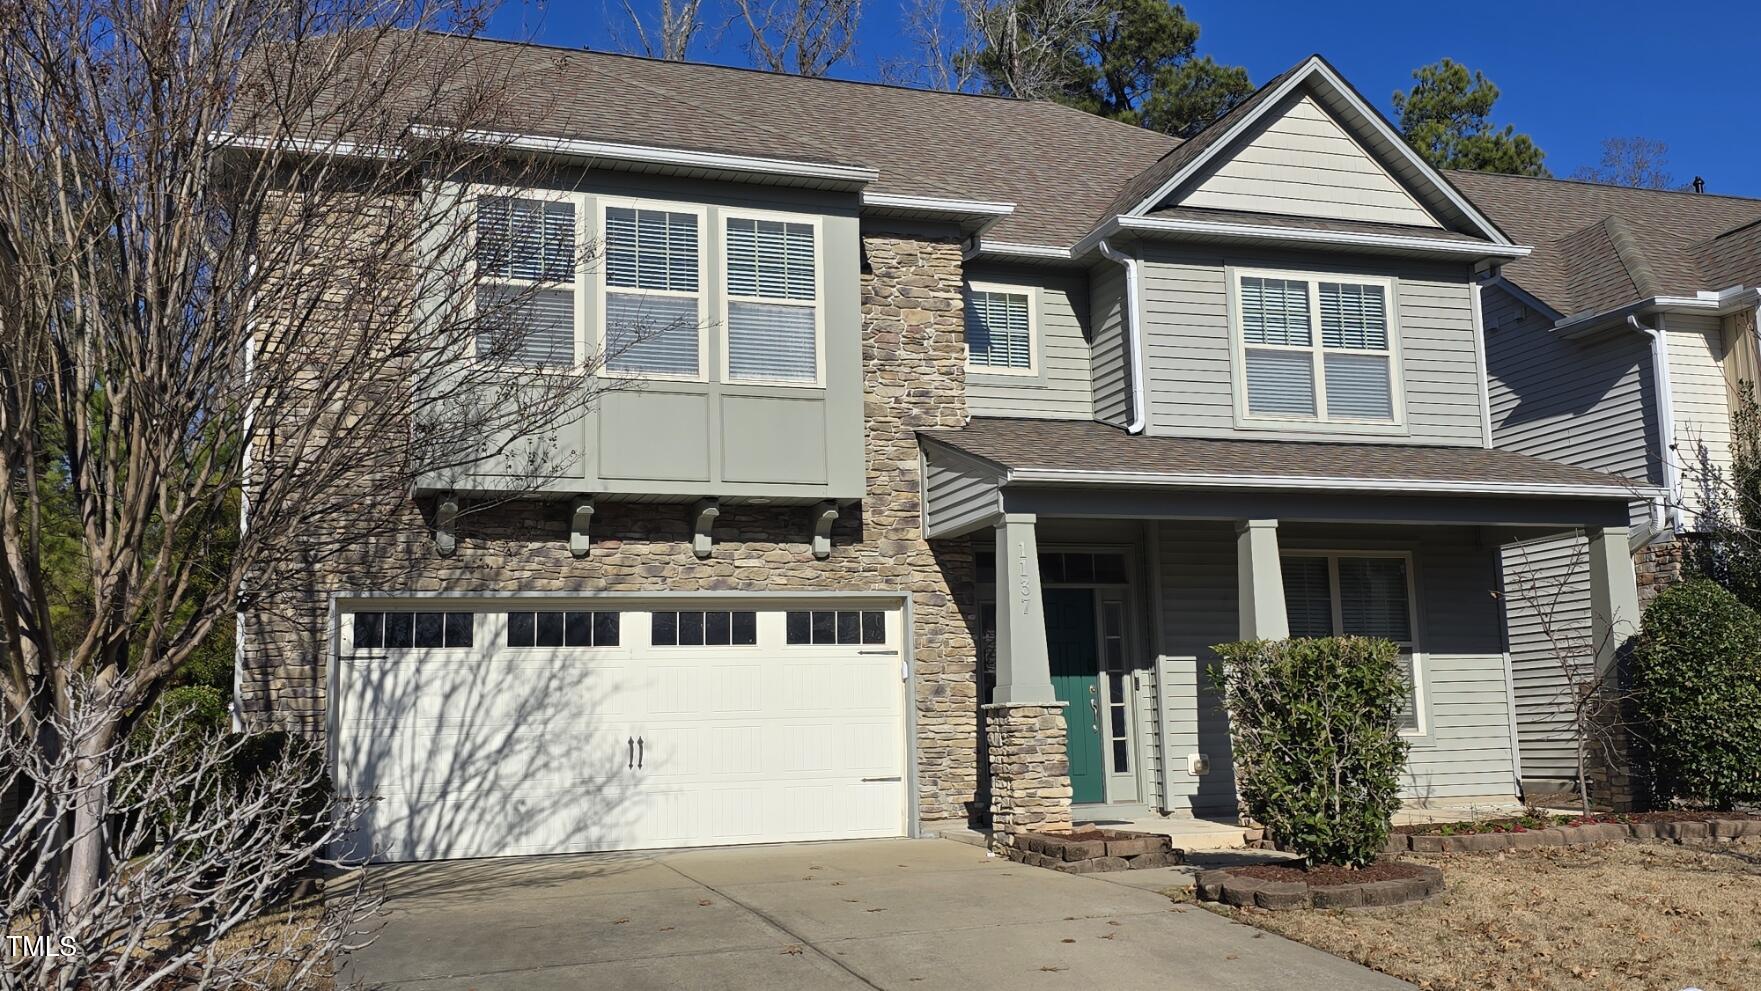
(999, 329)
(652, 305)
(1365, 595)
(773, 300)
(527, 272)
(1318, 348)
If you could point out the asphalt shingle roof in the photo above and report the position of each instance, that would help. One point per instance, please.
(1088, 446)
(1599, 246)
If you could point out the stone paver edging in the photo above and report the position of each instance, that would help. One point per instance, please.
(1242, 891)
(1090, 851)
(1589, 834)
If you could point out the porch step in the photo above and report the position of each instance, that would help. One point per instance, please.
(1188, 834)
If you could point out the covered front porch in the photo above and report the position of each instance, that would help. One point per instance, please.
(1101, 590)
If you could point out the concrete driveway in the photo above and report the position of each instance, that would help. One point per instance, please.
(893, 914)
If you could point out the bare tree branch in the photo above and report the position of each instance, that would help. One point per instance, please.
(804, 37)
(675, 26)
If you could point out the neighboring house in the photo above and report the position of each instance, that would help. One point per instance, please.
(1619, 344)
(998, 417)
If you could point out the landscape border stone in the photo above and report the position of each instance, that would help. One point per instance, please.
(1588, 834)
(1085, 852)
(1244, 891)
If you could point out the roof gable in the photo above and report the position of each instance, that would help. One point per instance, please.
(1301, 161)
(1251, 156)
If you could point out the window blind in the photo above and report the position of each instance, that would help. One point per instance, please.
(1275, 311)
(528, 239)
(522, 326)
(998, 330)
(1308, 596)
(1373, 603)
(651, 334)
(1357, 386)
(773, 316)
(651, 249)
(1280, 382)
(1353, 316)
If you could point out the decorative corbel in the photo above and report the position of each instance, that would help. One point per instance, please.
(704, 513)
(824, 515)
(446, 514)
(580, 518)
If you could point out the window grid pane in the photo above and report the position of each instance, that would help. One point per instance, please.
(998, 334)
(770, 258)
(1353, 316)
(1357, 386)
(1280, 383)
(526, 326)
(651, 249)
(527, 239)
(1275, 311)
(772, 341)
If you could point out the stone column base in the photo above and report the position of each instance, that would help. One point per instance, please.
(1030, 769)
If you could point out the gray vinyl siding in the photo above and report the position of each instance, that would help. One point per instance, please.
(1590, 403)
(1191, 354)
(1585, 402)
(1108, 359)
(1061, 387)
(1466, 750)
(1547, 607)
(960, 493)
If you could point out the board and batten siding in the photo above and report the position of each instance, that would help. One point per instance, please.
(1191, 351)
(1107, 353)
(1467, 750)
(1061, 386)
(1301, 162)
(1700, 395)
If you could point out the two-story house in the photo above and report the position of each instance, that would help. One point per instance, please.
(994, 416)
(1621, 343)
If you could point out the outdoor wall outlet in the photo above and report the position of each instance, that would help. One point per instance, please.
(1197, 764)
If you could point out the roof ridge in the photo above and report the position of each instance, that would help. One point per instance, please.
(1632, 257)
(1612, 187)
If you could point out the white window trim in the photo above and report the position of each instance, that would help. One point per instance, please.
(819, 276)
(1238, 341)
(1413, 647)
(1032, 294)
(477, 191)
(601, 287)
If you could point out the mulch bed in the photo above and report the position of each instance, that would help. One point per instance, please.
(1326, 876)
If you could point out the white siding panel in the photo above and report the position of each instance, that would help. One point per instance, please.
(1701, 398)
(1303, 163)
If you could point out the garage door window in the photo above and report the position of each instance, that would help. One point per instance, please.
(844, 626)
(403, 630)
(562, 629)
(715, 628)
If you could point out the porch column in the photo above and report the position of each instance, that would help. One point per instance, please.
(1614, 594)
(1260, 578)
(1024, 673)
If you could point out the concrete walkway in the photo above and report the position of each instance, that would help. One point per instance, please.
(892, 914)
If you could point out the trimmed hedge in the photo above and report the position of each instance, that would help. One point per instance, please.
(1697, 691)
(1315, 725)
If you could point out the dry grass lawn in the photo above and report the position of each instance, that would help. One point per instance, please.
(1632, 917)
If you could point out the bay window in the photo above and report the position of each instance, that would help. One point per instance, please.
(1317, 347)
(526, 289)
(773, 304)
(652, 303)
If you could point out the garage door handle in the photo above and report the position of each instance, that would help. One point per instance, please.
(893, 778)
(638, 752)
(632, 753)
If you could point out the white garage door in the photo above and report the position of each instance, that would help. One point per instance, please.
(533, 727)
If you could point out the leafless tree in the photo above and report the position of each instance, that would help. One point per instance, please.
(667, 33)
(938, 46)
(805, 37)
(1639, 162)
(1592, 696)
(1019, 48)
(218, 217)
(206, 854)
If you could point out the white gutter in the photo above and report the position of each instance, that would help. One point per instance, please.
(1045, 252)
(1672, 483)
(1712, 303)
(1298, 235)
(1134, 335)
(1327, 483)
(938, 205)
(1480, 346)
(652, 155)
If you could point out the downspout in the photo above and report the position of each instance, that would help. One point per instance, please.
(1133, 335)
(1665, 425)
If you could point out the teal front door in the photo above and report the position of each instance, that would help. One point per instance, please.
(1071, 644)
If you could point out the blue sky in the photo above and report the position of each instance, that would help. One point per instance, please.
(1571, 73)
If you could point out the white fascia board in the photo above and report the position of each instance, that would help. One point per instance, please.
(1048, 252)
(1712, 303)
(226, 141)
(1314, 67)
(937, 206)
(1323, 483)
(1297, 235)
(652, 155)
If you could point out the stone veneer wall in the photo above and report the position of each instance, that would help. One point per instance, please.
(1658, 565)
(1029, 769)
(914, 370)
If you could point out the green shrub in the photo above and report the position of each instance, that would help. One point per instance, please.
(1316, 732)
(1697, 692)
